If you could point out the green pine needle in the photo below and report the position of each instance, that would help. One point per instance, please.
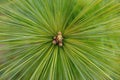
(90, 46)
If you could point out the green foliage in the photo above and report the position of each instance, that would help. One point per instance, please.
(91, 47)
(3, 1)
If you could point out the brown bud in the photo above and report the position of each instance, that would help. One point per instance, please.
(60, 44)
(54, 37)
(54, 42)
(59, 33)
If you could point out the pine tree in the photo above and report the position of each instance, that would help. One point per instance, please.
(60, 40)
